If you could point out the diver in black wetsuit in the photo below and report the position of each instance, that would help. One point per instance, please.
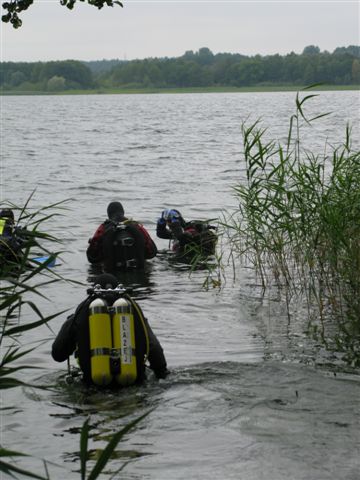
(194, 237)
(74, 336)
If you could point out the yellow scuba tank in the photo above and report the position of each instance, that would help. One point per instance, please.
(2, 225)
(124, 341)
(100, 342)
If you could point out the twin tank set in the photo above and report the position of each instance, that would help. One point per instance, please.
(112, 342)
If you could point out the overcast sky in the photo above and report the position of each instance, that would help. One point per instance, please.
(149, 28)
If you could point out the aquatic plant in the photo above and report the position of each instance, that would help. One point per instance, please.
(298, 226)
(22, 277)
(106, 453)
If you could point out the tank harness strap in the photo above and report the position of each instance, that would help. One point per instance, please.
(113, 352)
(122, 309)
(129, 263)
(127, 241)
(116, 352)
(97, 309)
(115, 363)
(99, 351)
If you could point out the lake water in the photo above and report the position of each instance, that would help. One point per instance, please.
(249, 397)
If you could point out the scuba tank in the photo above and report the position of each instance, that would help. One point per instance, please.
(124, 341)
(112, 337)
(2, 225)
(100, 342)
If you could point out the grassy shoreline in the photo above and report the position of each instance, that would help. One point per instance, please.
(132, 91)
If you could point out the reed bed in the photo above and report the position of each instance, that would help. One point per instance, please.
(298, 225)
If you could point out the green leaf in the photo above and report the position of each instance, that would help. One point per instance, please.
(30, 326)
(309, 87)
(9, 371)
(107, 452)
(320, 116)
(10, 383)
(13, 354)
(83, 447)
(11, 453)
(9, 469)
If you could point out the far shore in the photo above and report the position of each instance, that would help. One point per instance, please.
(132, 91)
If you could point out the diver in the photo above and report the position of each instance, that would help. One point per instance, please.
(120, 243)
(193, 237)
(111, 338)
(12, 239)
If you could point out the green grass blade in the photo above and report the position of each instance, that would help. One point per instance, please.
(107, 452)
(31, 326)
(10, 469)
(84, 437)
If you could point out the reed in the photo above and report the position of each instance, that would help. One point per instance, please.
(298, 226)
(106, 454)
(22, 281)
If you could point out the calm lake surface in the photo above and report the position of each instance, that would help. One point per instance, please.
(249, 397)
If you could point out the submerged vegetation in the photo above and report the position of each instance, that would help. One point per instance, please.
(298, 225)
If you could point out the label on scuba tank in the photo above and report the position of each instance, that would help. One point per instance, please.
(126, 350)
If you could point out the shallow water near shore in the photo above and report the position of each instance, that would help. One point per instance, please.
(249, 396)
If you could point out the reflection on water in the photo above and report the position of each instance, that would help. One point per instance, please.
(249, 396)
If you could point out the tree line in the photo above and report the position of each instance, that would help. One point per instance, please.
(193, 69)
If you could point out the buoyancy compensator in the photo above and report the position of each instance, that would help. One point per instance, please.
(123, 245)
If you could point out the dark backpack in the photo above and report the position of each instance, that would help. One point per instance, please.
(204, 240)
(123, 247)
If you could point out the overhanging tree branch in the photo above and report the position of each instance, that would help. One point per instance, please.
(15, 7)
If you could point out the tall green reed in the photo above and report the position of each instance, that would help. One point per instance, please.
(298, 225)
(105, 455)
(22, 280)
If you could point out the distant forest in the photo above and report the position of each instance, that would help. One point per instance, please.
(193, 69)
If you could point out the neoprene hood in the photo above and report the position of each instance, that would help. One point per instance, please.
(115, 211)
